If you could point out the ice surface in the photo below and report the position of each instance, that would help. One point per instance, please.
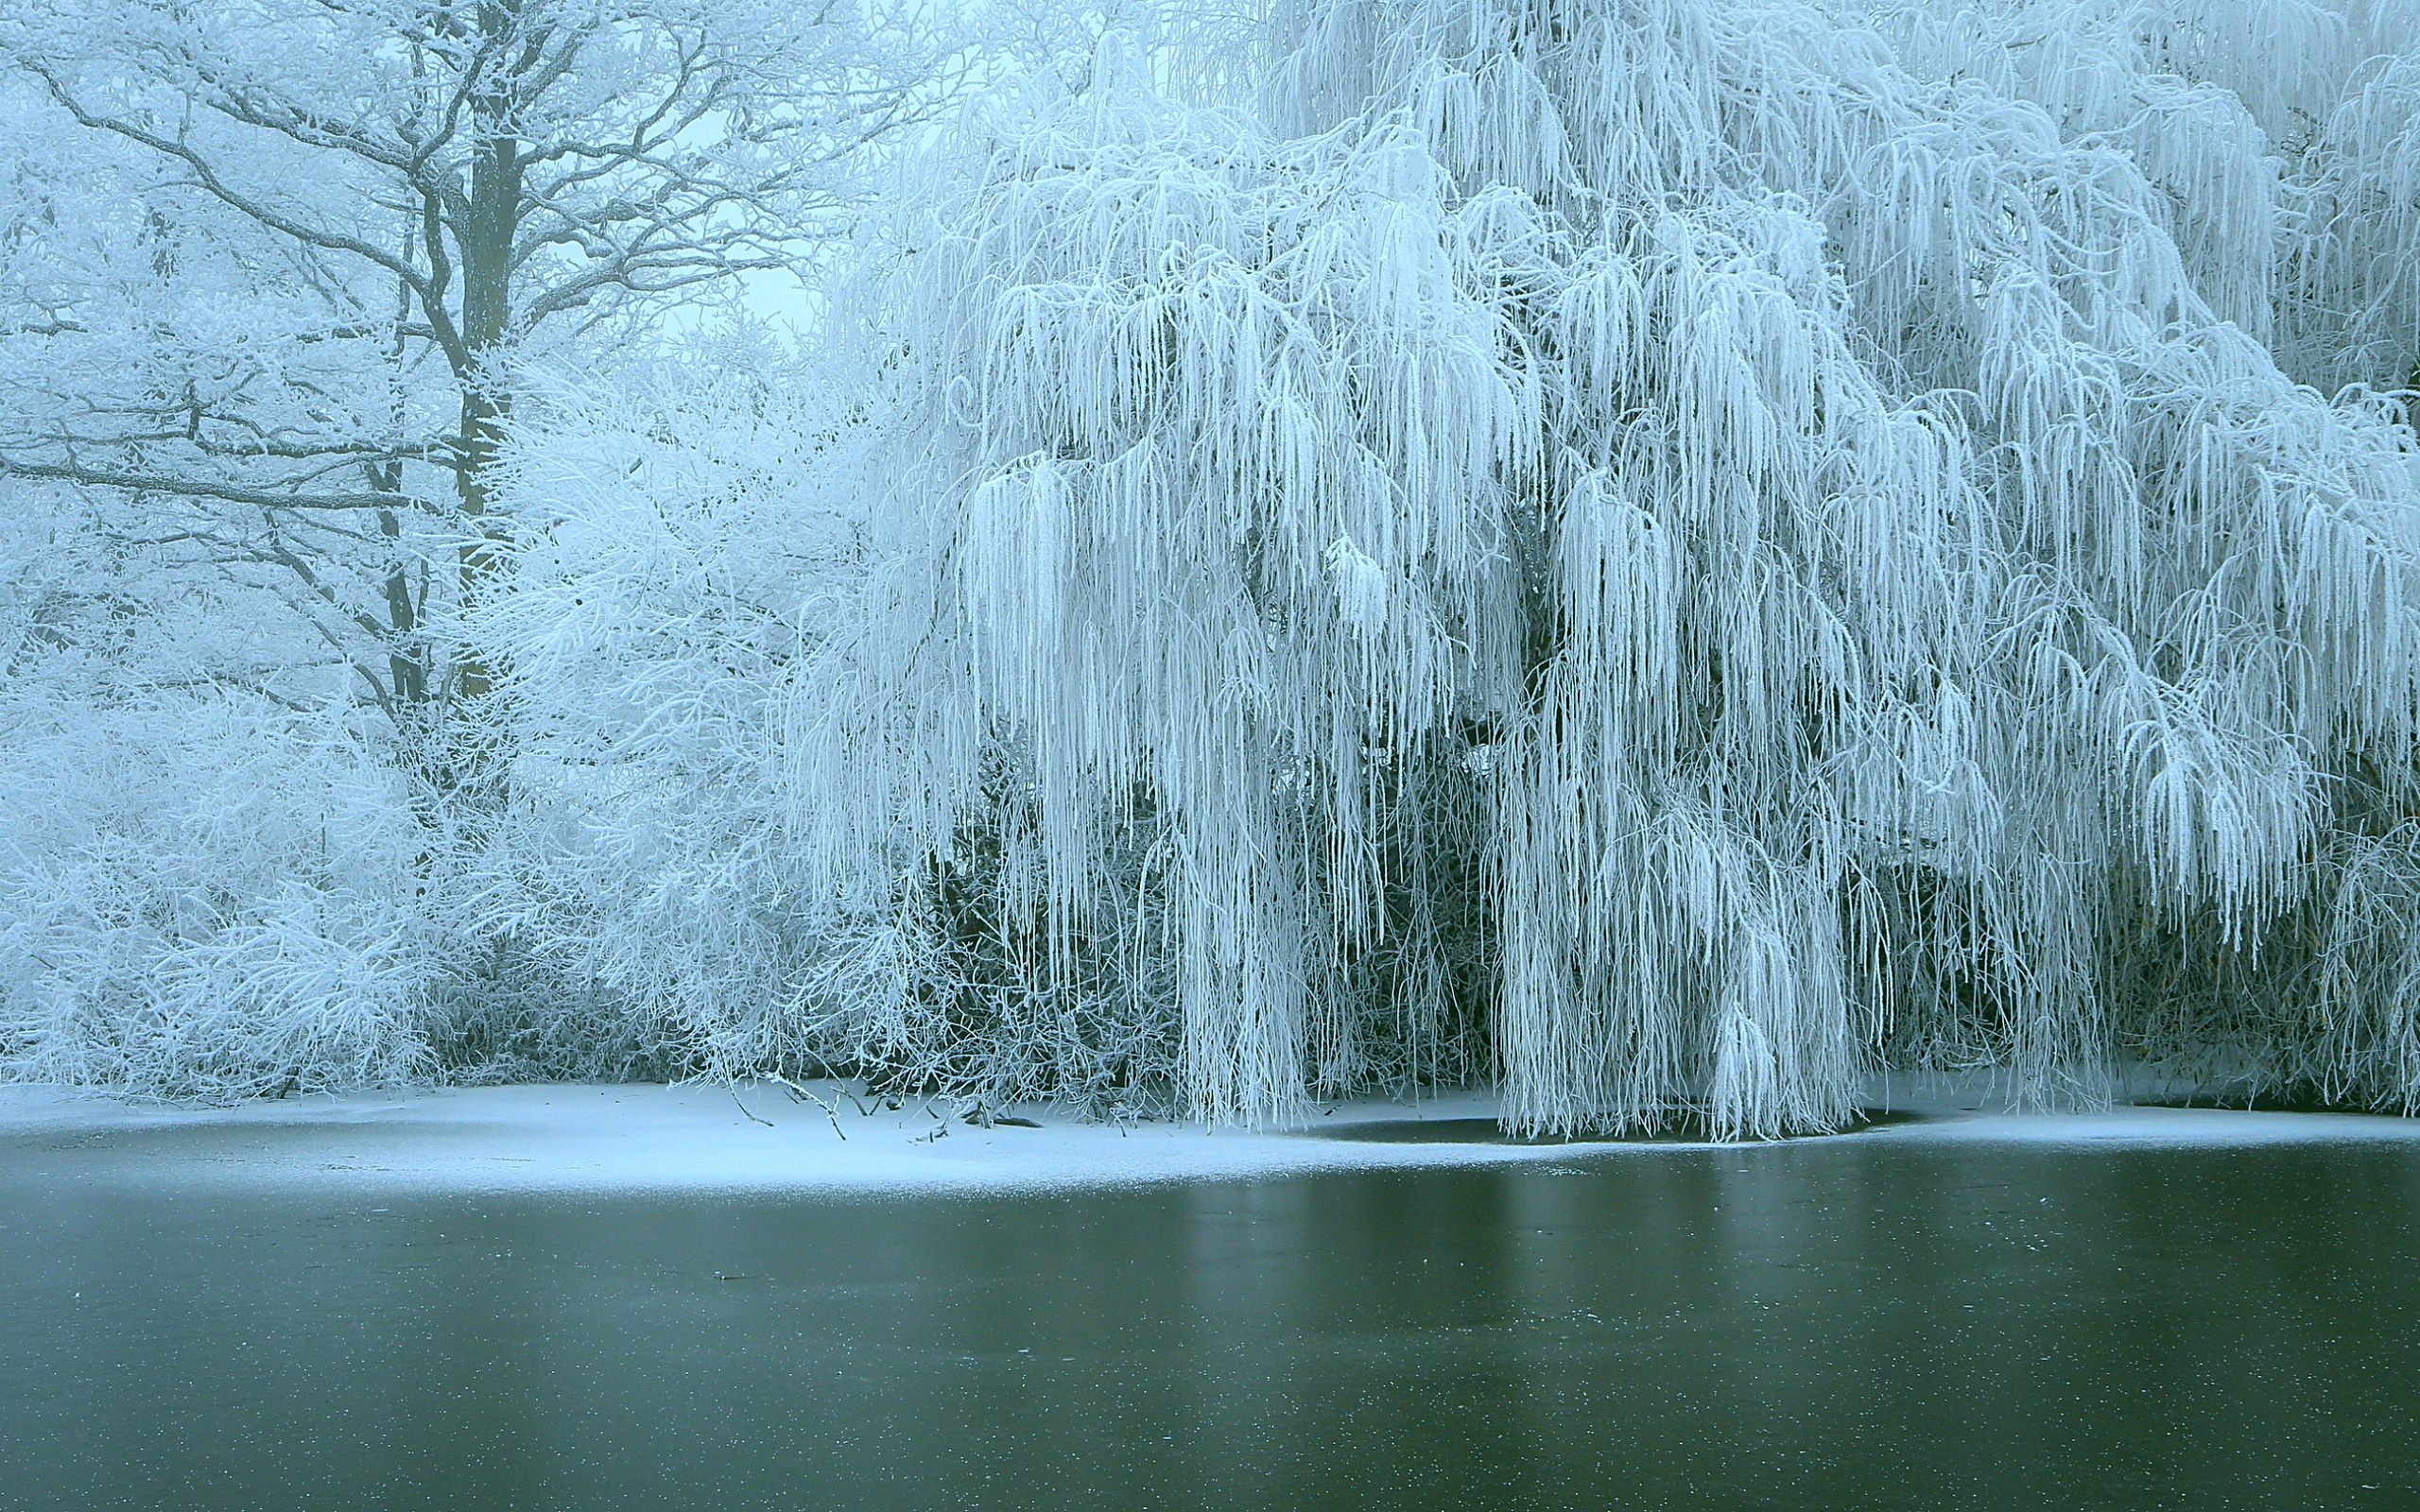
(648, 1138)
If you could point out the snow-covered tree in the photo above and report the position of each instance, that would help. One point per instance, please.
(270, 276)
(1673, 554)
(286, 322)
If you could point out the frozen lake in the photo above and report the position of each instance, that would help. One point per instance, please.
(1878, 1320)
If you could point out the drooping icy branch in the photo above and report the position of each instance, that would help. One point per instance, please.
(1850, 519)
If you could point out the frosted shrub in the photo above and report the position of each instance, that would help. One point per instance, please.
(208, 896)
(672, 525)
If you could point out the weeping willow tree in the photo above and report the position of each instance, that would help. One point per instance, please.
(1666, 555)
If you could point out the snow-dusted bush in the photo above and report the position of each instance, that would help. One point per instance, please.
(206, 896)
(673, 528)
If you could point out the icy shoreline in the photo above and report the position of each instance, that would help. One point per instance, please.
(757, 1138)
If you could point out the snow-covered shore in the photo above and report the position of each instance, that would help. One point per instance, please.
(644, 1137)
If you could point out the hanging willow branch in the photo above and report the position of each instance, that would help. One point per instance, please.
(1675, 554)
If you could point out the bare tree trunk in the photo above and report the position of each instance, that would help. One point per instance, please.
(485, 239)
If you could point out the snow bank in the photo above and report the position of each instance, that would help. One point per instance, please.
(638, 1139)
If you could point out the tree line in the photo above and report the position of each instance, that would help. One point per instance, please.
(1662, 557)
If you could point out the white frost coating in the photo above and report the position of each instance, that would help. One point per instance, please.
(1661, 555)
(1672, 553)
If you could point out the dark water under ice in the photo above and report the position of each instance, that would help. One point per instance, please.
(1863, 1323)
